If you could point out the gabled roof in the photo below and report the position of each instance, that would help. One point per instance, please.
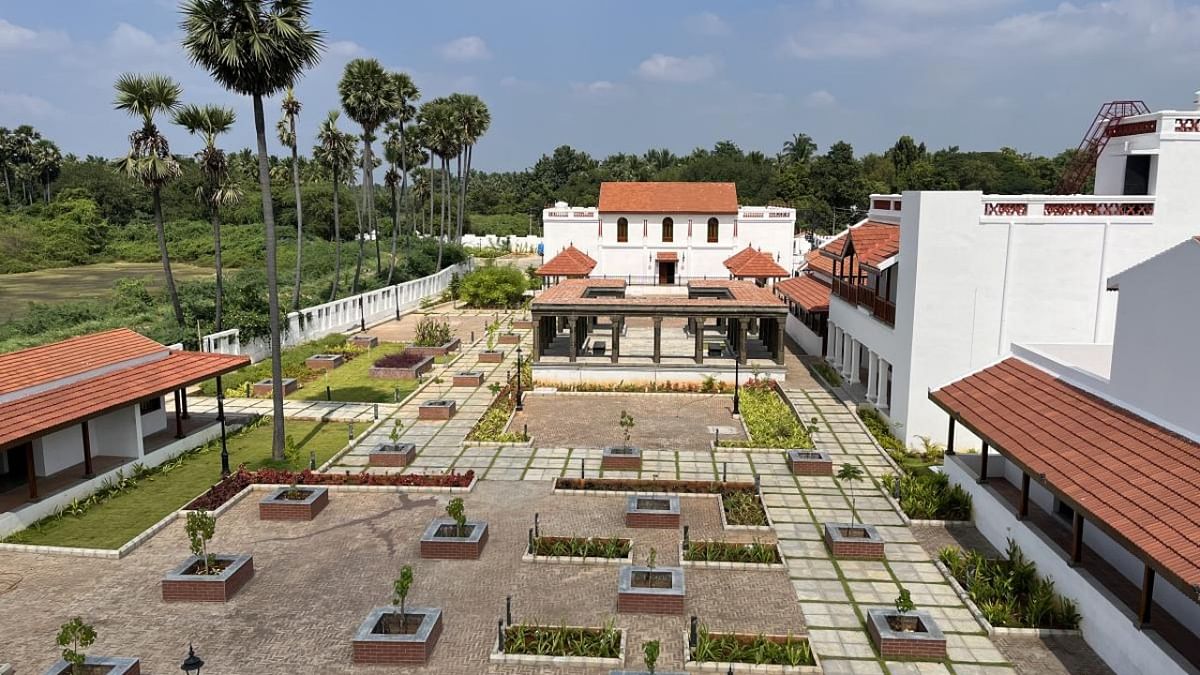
(807, 291)
(46, 364)
(1130, 477)
(570, 262)
(753, 264)
(680, 197)
(872, 242)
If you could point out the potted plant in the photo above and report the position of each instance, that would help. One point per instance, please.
(649, 589)
(398, 634)
(623, 457)
(904, 632)
(395, 453)
(851, 474)
(293, 502)
(853, 540)
(206, 577)
(650, 650)
(74, 637)
(491, 355)
(453, 536)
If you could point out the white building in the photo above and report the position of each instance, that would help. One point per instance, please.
(1092, 464)
(668, 233)
(933, 285)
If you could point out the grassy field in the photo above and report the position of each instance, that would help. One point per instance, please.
(352, 383)
(84, 281)
(115, 521)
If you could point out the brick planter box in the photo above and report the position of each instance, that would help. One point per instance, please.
(372, 646)
(440, 409)
(277, 506)
(522, 324)
(809, 463)
(365, 341)
(436, 350)
(263, 387)
(492, 356)
(854, 542)
(441, 543)
(652, 511)
(922, 641)
(509, 339)
(95, 665)
(324, 361)
(642, 590)
(468, 379)
(392, 454)
(621, 459)
(402, 373)
(179, 586)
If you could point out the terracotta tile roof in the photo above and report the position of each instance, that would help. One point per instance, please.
(42, 413)
(667, 256)
(1132, 478)
(872, 242)
(745, 294)
(749, 263)
(571, 262)
(807, 291)
(40, 366)
(682, 197)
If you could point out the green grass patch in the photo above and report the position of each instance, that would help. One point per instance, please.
(142, 501)
(351, 382)
(769, 419)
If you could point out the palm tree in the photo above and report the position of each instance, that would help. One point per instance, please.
(7, 141)
(149, 159)
(210, 121)
(47, 161)
(475, 119)
(800, 148)
(442, 138)
(335, 149)
(256, 48)
(404, 111)
(290, 107)
(369, 98)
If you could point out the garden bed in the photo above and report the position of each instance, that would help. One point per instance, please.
(1007, 593)
(720, 652)
(561, 645)
(491, 356)
(324, 361)
(188, 583)
(233, 485)
(929, 496)
(403, 366)
(621, 459)
(266, 387)
(383, 639)
(509, 339)
(651, 590)
(579, 550)
(293, 503)
(443, 541)
(740, 503)
(731, 555)
(467, 379)
(392, 455)
(913, 635)
(854, 541)
(438, 409)
(364, 341)
(769, 419)
(491, 427)
(809, 463)
(434, 350)
(652, 511)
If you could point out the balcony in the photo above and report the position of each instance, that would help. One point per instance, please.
(863, 295)
(1067, 208)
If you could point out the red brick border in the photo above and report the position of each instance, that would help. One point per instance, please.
(383, 653)
(509, 339)
(810, 467)
(454, 550)
(491, 357)
(632, 602)
(656, 520)
(313, 363)
(474, 380)
(207, 589)
(288, 509)
(927, 649)
(437, 412)
(864, 549)
(391, 459)
(621, 462)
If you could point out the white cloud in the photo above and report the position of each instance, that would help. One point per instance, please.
(663, 68)
(706, 23)
(596, 88)
(469, 48)
(820, 99)
(14, 37)
(345, 48)
(20, 106)
(830, 42)
(931, 7)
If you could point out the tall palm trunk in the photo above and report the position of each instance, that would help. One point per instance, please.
(462, 197)
(458, 160)
(7, 186)
(358, 209)
(337, 237)
(395, 231)
(299, 216)
(396, 218)
(216, 225)
(375, 233)
(264, 185)
(161, 229)
(431, 200)
(442, 213)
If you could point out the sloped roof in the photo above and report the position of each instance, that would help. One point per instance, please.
(749, 263)
(667, 256)
(46, 364)
(1132, 478)
(807, 291)
(570, 262)
(666, 197)
(743, 295)
(873, 242)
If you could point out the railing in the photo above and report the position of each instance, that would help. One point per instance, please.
(654, 280)
(864, 296)
(570, 213)
(1067, 206)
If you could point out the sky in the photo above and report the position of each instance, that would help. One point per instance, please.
(627, 75)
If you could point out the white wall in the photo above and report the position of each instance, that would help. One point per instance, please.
(156, 420)
(56, 451)
(809, 341)
(119, 433)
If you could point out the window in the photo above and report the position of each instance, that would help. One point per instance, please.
(668, 230)
(622, 230)
(714, 228)
(1137, 175)
(151, 405)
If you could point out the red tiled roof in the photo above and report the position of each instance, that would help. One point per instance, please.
(873, 242)
(754, 264)
(39, 366)
(650, 197)
(745, 295)
(807, 291)
(49, 411)
(667, 256)
(571, 262)
(1132, 478)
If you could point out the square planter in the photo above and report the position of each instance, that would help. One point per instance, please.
(281, 504)
(621, 459)
(372, 645)
(809, 463)
(99, 665)
(324, 361)
(522, 324)
(365, 341)
(854, 542)
(913, 636)
(509, 339)
(652, 511)
(435, 350)
(402, 372)
(440, 409)
(392, 454)
(642, 590)
(491, 356)
(441, 542)
(182, 586)
(263, 387)
(468, 378)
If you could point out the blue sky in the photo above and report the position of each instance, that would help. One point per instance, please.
(622, 76)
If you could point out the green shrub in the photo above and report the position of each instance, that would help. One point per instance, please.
(769, 419)
(1008, 590)
(930, 496)
(496, 286)
(432, 332)
(793, 651)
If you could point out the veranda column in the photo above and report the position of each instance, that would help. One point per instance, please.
(881, 391)
(872, 376)
(831, 342)
(539, 328)
(780, 341)
(616, 336)
(573, 329)
(847, 354)
(699, 339)
(741, 341)
(657, 339)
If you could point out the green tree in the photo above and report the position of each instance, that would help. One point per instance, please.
(290, 108)
(200, 528)
(850, 473)
(397, 151)
(74, 637)
(335, 150)
(457, 511)
(474, 118)
(256, 48)
(401, 587)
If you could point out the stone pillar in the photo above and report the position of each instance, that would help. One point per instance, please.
(741, 341)
(616, 337)
(699, 321)
(839, 347)
(872, 376)
(848, 343)
(657, 339)
(539, 328)
(831, 331)
(780, 340)
(855, 360)
(881, 395)
(573, 327)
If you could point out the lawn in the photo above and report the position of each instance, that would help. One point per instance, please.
(118, 519)
(352, 383)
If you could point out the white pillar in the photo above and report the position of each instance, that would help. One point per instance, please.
(872, 376)
(881, 396)
(831, 332)
(855, 359)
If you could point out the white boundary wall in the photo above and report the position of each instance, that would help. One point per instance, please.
(526, 244)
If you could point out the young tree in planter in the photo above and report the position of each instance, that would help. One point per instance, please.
(650, 650)
(456, 510)
(200, 529)
(395, 435)
(904, 605)
(851, 473)
(74, 636)
(400, 588)
(626, 425)
(491, 337)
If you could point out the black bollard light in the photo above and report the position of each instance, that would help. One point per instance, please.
(312, 460)
(536, 520)
(328, 393)
(531, 551)
(500, 635)
(508, 610)
(685, 537)
(724, 472)
(581, 467)
(693, 631)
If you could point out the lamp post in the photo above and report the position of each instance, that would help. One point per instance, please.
(737, 382)
(520, 406)
(192, 664)
(221, 419)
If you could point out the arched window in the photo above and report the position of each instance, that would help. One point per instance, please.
(622, 230)
(714, 228)
(668, 229)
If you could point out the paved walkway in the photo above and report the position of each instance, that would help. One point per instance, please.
(328, 411)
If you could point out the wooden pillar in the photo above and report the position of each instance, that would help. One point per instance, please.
(616, 337)
(573, 327)
(539, 326)
(780, 341)
(950, 438)
(699, 339)
(179, 414)
(183, 396)
(31, 472)
(657, 339)
(1023, 507)
(983, 468)
(87, 450)
(741, 341)
(1077, 539)
(1147, 600)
